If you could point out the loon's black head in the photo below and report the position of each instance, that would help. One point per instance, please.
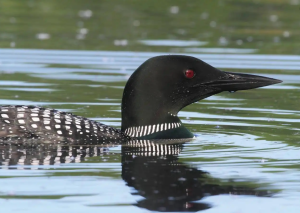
(163, 85)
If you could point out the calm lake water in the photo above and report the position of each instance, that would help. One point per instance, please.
(76, 56)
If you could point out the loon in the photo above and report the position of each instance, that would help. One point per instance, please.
(154, 94)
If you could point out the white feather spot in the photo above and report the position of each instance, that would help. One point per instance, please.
(33, 125)
(57, 120)
(59, 132)
(48, 127)
(21, 121)
(135, 131)
(20, 115)
(68, 117)
(141, 131)
(153, 129)
(4, 115)
(35, 119)
(161, 127)
(157, 128)
(149, 129)
(57, 126)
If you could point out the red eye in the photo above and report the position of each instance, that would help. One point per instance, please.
(189, 74)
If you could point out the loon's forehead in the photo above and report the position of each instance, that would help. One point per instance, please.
(174, 59)
(171, 64)
(172, 68)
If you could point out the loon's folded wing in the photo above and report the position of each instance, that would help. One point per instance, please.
(49, 125)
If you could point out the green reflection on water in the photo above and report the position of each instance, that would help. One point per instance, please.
(271, 26)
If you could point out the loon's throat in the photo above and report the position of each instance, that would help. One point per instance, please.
(140, 131)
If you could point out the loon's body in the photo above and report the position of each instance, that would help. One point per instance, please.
(31, 123)
(152, 97)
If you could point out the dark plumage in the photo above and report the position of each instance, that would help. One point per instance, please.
(152, 97)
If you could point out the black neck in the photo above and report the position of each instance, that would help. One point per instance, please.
(150, 120)
(141, 107)
(148, 103)
(179, 132)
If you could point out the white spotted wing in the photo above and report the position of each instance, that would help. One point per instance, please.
(27, 122)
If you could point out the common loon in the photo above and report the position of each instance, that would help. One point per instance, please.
(152, 97)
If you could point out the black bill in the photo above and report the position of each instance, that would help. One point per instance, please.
(239, 81)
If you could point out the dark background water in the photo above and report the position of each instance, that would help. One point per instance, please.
(270, 25)
(77, 56)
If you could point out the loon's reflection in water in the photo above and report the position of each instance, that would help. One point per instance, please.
(47, 154)
(169, 185)
(151, 168)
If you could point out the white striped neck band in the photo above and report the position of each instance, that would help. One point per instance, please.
(139, 131)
